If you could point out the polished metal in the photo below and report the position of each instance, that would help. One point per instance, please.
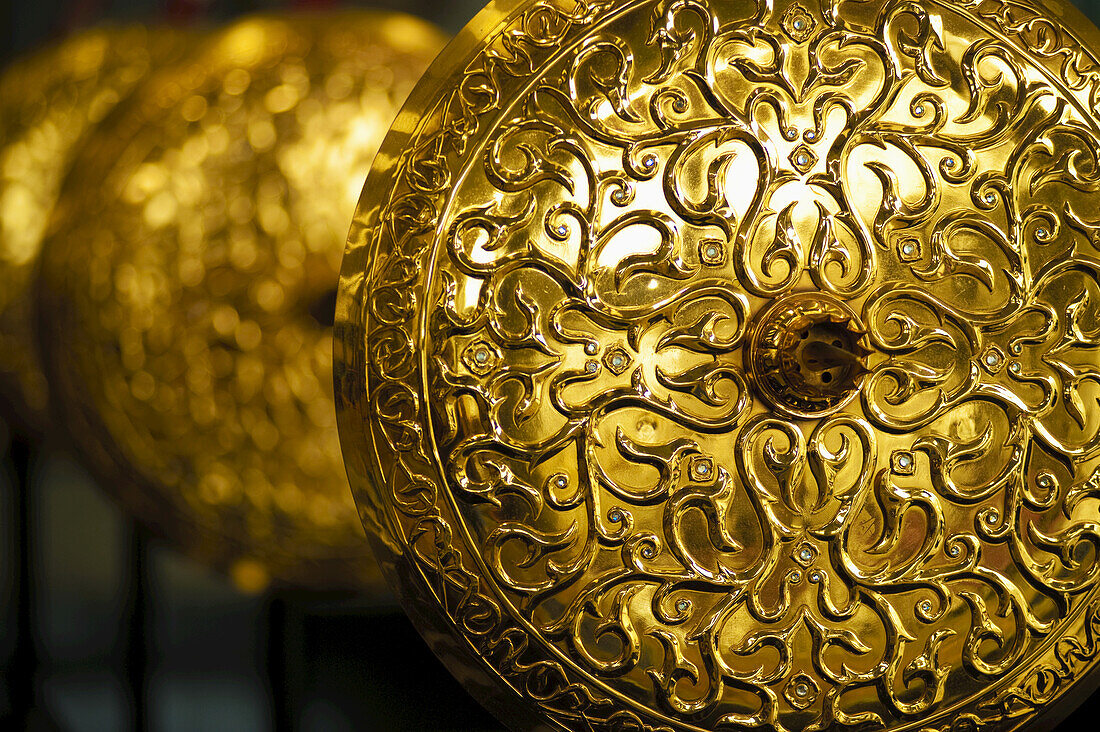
(805, 355)
(187, 287)
(571, 314)
(49, 101)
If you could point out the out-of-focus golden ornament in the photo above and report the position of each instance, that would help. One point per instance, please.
(48, 102)
(186, 292)
(733, 365)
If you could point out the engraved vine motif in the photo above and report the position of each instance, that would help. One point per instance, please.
(621, 225)
(664, 307)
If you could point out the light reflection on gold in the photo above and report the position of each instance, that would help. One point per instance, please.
(48, 103)
(188, 287)
(735, 365)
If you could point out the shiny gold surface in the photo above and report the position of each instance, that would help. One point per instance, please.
(48, 102)
(547, 396)
(187, 288)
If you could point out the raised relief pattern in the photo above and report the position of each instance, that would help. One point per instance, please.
(645, 512)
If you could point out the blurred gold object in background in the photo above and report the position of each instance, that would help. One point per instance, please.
(48, 103)
(732, 365)
(187, 289)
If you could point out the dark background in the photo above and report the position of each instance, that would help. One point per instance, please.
(102, 631)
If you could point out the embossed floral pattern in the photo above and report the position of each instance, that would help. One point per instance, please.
(638, 510)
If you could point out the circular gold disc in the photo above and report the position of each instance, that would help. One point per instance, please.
(186, 293)
(587, 499)
(48, 102)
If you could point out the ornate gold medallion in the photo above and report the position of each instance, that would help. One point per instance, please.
(722, 365)
(48, 103)
(186, 293)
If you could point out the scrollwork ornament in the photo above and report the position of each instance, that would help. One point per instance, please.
(735, 366)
